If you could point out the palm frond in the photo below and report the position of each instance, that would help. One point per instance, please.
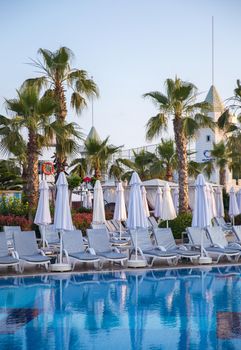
(157, 97)
(156, 125)
(77, 102)
(190, 127)
(204, 121)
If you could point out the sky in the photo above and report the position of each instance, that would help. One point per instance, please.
(130, 47)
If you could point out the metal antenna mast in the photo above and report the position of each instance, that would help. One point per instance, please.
(212, 50)
(92, 108)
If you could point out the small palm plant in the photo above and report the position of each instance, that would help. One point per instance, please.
(97, 155)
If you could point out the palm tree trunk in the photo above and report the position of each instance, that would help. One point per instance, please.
(61, 100)
(181, 148)
(222, 176)
(169, 173)
(33, 178)
(25, 180)
(97, 173)
(60, 114)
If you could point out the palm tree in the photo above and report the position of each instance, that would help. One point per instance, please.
(10, 175)
(116, 170)
(79, 167)
(12, 143)
(32, 112)
(97, 155)
(221, 155)
(166, 161)
(66, 136)
(180, 105)
(141, 163)
(59, 77)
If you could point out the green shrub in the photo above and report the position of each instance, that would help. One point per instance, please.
(179, 224)
(238, 220)
(84, 210)
(13, 206)
(74, 181)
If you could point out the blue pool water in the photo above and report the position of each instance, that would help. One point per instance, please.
(178, 309)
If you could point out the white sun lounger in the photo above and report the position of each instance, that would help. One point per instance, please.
(26, 250)
(99, 244)
(164, 237)
(9, 231)
(218, 238)
(195, 235)
(148, 251)
(74, 249)
(6, 258)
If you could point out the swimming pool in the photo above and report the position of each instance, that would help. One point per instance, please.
(174, 309)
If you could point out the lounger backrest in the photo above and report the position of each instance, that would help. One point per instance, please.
(25, 243)
(220, 221)
(164, 237)
(98, 226)
(196, 234)
(3, 244)
(143, 238)
(153, 221)
(9, 230)
(117, 225)
(237, 232)
(51, 235)
(110, 227)
(217, 236)
(99, 240)
(73, 241)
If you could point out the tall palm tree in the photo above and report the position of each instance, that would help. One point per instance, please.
(187, 116)
(32, 112)
(97, 155)
(59, 76)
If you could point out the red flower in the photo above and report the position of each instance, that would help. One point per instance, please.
(86, 179)
(82, 221)
(11, 220)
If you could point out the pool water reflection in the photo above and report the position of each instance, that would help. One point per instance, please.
(175, 309)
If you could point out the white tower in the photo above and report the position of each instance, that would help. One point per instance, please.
(206, 137)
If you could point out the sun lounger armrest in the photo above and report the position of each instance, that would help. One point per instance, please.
(234, 245)
(115, 249)
(65, 253)
(41, 252)
(14, 254)
(163, 249)
(190, 245)
(218, 245)
(182, 246)
(91, 251)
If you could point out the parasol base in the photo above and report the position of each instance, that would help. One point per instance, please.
(136, 263)
(60, 267)
(205, 260)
